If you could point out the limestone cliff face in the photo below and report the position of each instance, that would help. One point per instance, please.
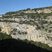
(6, 28)
(31, 33)
(31, 24)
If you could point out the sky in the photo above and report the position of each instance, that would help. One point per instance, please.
(15, 5)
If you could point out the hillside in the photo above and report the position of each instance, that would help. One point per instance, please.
(31, 24)
(12, 45)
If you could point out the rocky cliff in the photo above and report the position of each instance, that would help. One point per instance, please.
(31, 24)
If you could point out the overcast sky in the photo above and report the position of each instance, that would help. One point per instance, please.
(14, 5)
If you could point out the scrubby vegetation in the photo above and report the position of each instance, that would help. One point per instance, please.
(4, 36)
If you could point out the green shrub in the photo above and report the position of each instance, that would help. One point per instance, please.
(4, 36)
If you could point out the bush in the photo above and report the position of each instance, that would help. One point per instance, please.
(4, 36)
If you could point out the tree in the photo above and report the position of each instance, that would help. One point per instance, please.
(28, 9)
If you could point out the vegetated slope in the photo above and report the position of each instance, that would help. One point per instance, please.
(30, 24)
(12, 45)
